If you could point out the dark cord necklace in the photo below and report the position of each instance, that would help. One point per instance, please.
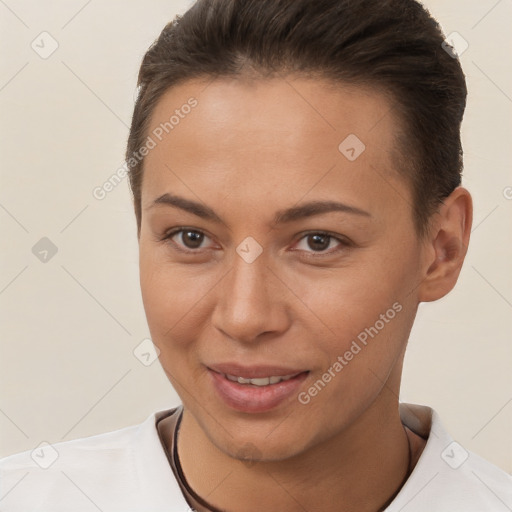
(208, 507)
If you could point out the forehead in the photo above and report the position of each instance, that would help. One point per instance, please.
(262, 135)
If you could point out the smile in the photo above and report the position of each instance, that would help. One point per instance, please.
(261, 381)
(261, 389)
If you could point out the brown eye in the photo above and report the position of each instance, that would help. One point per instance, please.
(318, 241)
(317, 244)
(191, 239)
(186, 240)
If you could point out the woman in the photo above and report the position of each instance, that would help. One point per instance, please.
(295, 169)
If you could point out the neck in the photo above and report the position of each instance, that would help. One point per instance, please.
(359, 469)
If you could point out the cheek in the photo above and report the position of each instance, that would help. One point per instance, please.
(351, 299)
(165, 295)
(175, 299)
(169, 307)
(360, 362)
(369, 312)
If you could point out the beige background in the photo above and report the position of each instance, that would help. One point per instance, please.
(70, 325)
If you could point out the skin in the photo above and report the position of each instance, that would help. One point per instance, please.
(249, 149)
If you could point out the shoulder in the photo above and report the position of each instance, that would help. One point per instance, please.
(449, 477)
(104, 471)
(461, 480)
(69, 469)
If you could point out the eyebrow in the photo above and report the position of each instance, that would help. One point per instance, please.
(282, 216)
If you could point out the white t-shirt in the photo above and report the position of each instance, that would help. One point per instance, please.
(128, 471)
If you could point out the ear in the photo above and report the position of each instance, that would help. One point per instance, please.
(446, 245)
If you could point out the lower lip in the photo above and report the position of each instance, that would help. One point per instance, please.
(253, 399)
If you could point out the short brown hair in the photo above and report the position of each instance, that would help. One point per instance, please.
(394, 46)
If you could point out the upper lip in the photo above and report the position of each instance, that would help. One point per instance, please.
(255, 371)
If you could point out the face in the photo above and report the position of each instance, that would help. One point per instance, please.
(277, 247)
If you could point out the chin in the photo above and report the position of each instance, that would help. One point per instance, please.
(271, 441)
(250, 453)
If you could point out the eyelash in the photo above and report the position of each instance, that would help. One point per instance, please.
(344, 243)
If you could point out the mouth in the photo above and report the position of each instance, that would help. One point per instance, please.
(261, 381)
(255, 389)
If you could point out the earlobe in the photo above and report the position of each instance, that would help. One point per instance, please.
(447, 246)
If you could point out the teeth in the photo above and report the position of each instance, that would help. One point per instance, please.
(262, 381)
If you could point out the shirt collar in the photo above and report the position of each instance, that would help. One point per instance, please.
(159, 489)
(425, 422)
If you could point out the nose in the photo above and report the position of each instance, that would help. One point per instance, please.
(251, 301)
